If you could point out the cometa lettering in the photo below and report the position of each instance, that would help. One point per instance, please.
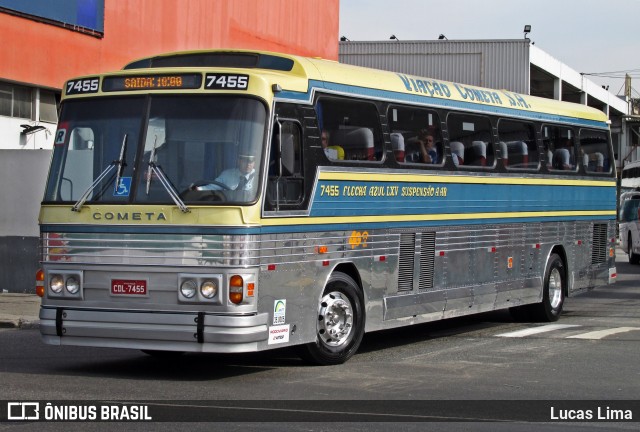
(130, 216)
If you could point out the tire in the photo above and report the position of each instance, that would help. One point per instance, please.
(633, 258)
(555, 283)
(340, 323)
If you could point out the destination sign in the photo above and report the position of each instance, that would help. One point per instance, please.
(151, 82)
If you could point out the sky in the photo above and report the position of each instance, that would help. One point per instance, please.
(590, 36)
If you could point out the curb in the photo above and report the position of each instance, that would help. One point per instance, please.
(20, 324)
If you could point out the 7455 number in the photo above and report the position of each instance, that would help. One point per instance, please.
(226, 82)
(86, 85)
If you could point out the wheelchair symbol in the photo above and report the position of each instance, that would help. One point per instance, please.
(123, 188)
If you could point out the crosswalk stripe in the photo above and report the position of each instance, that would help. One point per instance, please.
(536, 330)
(599, 334)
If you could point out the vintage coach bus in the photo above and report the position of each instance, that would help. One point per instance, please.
(235, 201)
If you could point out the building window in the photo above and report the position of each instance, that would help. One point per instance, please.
(48, 107)
(15, 100)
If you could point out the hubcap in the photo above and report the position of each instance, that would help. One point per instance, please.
(555, 288)
(335, 319)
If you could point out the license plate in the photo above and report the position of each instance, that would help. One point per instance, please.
(129, 287)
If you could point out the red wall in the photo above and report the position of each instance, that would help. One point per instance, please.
(46, 55)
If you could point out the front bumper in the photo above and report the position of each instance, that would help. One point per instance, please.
(166, 331)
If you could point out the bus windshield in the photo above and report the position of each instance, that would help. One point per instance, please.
(203, 149)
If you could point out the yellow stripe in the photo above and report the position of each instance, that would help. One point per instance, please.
(435, 178)
(232, 216)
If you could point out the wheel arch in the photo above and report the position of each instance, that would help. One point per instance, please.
(351, 270)
(562, 253)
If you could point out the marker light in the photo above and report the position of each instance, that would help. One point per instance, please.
(188, 288)
(56, 283)
(209, 289)
(236, 285)
(40, 283)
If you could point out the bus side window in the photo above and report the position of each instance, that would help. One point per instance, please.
(415, 135)
(560, 148)
(594, 151)
(517, 143)
(472, 132)
(285, 183)
(352, 128)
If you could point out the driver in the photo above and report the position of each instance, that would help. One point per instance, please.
(240, 178)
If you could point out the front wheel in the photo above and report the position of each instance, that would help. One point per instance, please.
(555, 280)
(340, 322)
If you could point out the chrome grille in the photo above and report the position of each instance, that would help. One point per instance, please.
(599, 248)
(406, 262)
(427, 258)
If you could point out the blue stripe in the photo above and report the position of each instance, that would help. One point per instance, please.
(352, 198)
(435, 102)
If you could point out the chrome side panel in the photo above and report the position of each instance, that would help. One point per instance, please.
(407, 276)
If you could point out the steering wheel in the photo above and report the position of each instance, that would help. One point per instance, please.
(199, 183)
(192, 194)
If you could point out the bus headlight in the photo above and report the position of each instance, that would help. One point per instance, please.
(72, 285)
(199, 288)
(188, 288)
(209, 289)
(56, 283)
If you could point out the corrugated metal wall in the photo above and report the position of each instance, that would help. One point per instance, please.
(502, 64)
(23, 174)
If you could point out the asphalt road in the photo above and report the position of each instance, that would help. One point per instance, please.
(397, 381)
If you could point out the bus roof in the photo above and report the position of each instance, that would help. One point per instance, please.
(631, 165)
(334, 77)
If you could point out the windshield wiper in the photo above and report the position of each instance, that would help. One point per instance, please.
(120, 162)
(164, 181)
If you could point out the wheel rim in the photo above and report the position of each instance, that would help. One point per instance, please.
(555, 288)
(335, 319)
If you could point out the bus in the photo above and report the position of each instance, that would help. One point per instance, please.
(629, 232)
(230, 201)
(630, 181)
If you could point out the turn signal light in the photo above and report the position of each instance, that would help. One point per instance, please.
(322, 249)
(40, 283)
(236, 286)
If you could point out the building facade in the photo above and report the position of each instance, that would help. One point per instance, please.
(45, 43)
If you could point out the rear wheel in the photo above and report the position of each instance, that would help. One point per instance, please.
(555, 281)
(340, 322)
(633, 258)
